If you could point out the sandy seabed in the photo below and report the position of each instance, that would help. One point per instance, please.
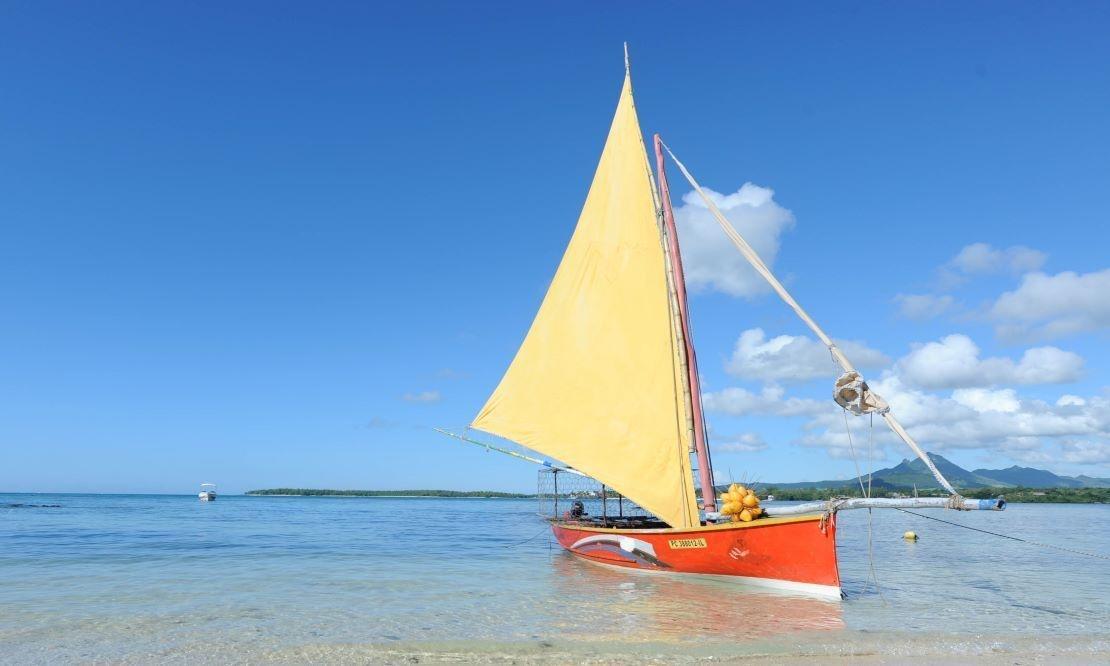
(857, 648)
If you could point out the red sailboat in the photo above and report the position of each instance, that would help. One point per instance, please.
(606, 382)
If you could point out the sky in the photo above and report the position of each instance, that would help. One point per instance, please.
(273, 244)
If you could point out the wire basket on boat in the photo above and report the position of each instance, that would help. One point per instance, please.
(563, 495)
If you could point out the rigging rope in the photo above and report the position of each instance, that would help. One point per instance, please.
(866, 493)
(757, 263)
(529, 539)
(1012, 538)
(852, 449)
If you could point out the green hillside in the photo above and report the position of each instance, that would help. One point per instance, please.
(911, 473)
(1030, 477)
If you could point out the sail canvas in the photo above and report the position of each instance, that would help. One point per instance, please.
(597, 381)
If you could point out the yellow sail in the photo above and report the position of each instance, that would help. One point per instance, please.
(597, 382)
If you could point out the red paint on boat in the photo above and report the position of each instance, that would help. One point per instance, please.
(785, 550)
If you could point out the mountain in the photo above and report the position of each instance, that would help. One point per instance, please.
(913, 472)
(1093, 481)
(1029, 477)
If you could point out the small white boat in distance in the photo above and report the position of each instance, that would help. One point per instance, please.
(207, 492)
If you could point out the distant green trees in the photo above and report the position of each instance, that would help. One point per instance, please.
(1012, 494)
(322, 492)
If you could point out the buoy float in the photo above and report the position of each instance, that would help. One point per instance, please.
(910, 536)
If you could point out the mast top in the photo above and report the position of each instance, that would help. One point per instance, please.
(627, 67)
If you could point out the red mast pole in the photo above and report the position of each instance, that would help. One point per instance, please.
(701, 447)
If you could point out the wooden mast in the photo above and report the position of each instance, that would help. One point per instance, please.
(701, 447)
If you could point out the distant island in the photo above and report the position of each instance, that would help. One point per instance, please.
(912, 473)
(1012, 494)
(908, 478)
(911, 477)
(322, 492)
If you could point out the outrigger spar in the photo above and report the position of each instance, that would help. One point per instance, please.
(606, 382)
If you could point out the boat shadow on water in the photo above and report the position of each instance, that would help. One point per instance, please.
(679, 608)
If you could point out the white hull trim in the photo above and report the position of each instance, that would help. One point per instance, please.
(826, 592)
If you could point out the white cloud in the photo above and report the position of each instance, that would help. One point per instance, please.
(1000, 421)
(709, 258)
(984, 259)
(1073, 400)
(747, 442)
(946, 395)
(999, 418)
(1049, 306)
(770, 401)
(987, 400)
(794, 358)
(1085, 452)
(923, 306)
(954, 362)
(423, 396)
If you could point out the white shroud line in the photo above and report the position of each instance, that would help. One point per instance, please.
(757, 263)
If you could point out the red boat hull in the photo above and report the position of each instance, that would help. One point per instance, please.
(791, 553)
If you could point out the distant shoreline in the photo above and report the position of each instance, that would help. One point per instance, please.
(355, 496)
(1013, 495)
(425, 493)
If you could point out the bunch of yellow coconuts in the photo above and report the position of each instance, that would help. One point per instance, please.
(740, 503)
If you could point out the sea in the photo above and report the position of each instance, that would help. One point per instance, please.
(145, 579)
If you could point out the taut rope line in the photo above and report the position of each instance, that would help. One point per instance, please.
(1012, 538)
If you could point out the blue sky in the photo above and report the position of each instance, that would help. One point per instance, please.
(272, 244)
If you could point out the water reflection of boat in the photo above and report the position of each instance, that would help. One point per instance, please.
(684, 608)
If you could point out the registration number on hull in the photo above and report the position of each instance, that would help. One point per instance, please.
(678, 544)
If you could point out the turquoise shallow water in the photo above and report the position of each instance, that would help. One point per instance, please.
(141, 578)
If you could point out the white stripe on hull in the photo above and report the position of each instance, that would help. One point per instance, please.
(828, 592)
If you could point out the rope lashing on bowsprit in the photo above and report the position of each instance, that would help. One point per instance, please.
(1012, 538)
(831, 507)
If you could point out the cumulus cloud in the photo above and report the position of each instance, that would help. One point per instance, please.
(997, 420)
(770, 401)
(1068, 399)
(1085, 452)
(793, 358)
(422, 396)
(954, 362)
(945, 392)
(923, 306)
(987, 400)
(985, 259)
(1050, 306)
(747, 442)
(710, 260)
